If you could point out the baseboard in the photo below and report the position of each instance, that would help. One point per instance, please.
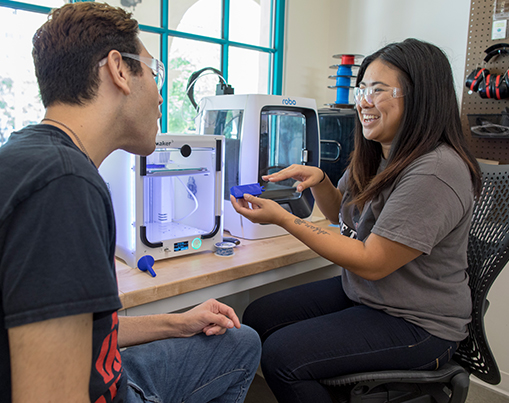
(502, 387)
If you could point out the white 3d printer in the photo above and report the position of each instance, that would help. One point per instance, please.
(263, 134)
(169, 203)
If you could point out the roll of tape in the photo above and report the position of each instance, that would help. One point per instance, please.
(224, 249)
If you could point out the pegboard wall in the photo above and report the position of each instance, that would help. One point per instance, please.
(479, 39)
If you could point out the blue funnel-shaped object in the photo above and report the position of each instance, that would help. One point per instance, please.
(145, 264)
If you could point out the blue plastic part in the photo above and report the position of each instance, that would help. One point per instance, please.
(145, 264)
(253, 189)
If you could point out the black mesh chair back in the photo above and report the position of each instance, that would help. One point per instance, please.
(487, 256)
(488, 253)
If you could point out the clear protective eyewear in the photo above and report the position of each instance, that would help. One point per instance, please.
(155, 65)
(375, 95)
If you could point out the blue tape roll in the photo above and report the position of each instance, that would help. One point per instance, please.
(224, 249)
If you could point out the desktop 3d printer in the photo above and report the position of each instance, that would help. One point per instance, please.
(263, 134)
(168, 203)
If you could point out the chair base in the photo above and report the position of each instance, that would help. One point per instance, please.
(448, 384)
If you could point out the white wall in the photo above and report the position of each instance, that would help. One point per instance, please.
(318, 29)
(307, 54)
(497, 326)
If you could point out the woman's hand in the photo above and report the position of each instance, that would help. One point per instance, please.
(259, 210)
(308, 176)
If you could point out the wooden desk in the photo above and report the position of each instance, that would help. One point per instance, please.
(188, 280)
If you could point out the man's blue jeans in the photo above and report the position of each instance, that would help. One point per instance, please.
(315, 331)
(198, 369)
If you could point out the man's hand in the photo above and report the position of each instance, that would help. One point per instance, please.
(211, 317)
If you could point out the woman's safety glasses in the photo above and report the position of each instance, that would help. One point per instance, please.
(376, 94)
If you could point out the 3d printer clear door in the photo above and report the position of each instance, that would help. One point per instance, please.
(282, 143)
(179, 194)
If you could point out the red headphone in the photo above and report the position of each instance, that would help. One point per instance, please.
(490, 85)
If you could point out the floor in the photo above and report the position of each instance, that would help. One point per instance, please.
(260, 393)
(480, 394)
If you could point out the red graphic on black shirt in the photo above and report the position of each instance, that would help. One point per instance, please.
(109, 363)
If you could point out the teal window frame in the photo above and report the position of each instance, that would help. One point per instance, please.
(275, 51)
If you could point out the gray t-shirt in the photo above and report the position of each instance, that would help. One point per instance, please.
(428, 208)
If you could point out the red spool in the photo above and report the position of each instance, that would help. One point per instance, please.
(347, 59)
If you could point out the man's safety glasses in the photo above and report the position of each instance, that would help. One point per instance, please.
(155, 65)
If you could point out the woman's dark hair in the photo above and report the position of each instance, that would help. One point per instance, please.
(68, 47)
(430, 118)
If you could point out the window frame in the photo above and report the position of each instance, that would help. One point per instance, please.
(275, 51)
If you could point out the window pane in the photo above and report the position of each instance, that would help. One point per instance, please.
(20, 104)
(186, 57)
(250, 22)
(152, 43)
(248, 71)
(146, 12)
(202, 17)
(48, 3)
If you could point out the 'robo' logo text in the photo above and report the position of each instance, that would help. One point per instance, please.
(289, 101)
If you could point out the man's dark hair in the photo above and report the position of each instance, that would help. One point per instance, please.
(68, 47)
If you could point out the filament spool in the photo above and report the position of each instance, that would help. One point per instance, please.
(344, 78)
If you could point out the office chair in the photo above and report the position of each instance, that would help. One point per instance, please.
(488, 248)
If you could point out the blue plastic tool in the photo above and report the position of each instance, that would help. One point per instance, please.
(253, 189)
(145, 263)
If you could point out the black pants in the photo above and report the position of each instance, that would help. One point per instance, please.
(314, 331)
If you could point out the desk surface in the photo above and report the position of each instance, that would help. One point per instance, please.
(196, 271)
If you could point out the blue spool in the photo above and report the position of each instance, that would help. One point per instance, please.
(342, 94)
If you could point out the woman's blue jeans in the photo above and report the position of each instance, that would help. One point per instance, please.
(198, 369)
(315, 331)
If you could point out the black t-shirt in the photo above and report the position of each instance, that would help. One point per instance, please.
(57, 248)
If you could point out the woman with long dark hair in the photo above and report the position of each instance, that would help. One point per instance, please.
(404, 206)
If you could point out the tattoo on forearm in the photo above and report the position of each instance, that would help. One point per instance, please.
(318, 230)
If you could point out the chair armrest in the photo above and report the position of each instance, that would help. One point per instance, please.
(443, 374)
